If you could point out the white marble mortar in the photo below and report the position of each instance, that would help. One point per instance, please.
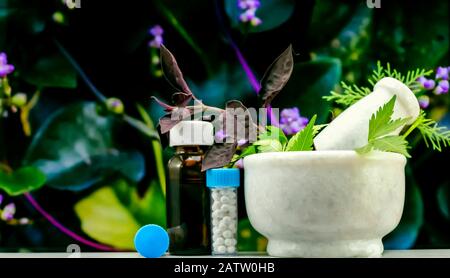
(324, 203)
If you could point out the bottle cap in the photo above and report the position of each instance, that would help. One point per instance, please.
(151, 241)
(223, 177)
(189, 133)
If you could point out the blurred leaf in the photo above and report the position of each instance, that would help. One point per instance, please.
(404, 35)
(21, 180)
(273, 13)
(106, 220)
(336, 17)
(249, 239)
(443, 198)
(146, 208)
(157, 149)
(52, 71)
(405, 235)
(226, 84)
(142, 127)
(75, 149)
(25, 113)
(113, 214)
(309, 82)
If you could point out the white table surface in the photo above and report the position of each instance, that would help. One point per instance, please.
(425, 253)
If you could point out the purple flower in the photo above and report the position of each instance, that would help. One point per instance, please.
(1, 199)
(248, 14)
(291, 122)
(442, 73)
(424, 101)
(248, 4)
(428, 84)
(421, 79)
(8, 212)
(5, 68)
(441, 88)
(255, 21)
(220, 136)
(239, 164)
(157, 32)
(242, 142)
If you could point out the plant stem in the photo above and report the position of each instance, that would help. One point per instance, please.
(63, 229)
(80, 71)
(183, 33)
(411, 128)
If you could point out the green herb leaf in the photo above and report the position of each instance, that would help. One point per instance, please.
(381, 124)
(248, 151)
(394, 143)
(363, 150)
(274, 133)
(318, 128)
(381, 118)
(268, 145)
(303, 140)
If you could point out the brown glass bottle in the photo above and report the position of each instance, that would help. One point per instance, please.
(187, 202)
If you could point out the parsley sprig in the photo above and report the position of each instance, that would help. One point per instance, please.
(352, 93)
(381, 127)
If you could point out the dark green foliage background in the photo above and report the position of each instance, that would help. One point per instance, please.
(334, 40)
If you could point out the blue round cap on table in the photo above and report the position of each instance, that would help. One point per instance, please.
(151, 241)
(223, 177)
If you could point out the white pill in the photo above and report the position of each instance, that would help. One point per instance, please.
(217, 213)
(215, 221)
(230, 195)
(226, 220)
(223, 226)
(225, 200)
(227, 234)
(231, 249)
(215, 195)
(225, 207)
(230, 242)
(232, 210)
(216, 237)
(219, 240)
(221, 249)
(232, 227)
(216, 206)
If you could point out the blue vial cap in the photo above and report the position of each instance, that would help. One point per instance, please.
(223, 177)
(151, 241)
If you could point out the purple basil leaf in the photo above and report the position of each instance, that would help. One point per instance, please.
(218, 156)
(169, 120)
(277, 76)
(172, 72)
(243, 123)
(166, 107)
(181, 99)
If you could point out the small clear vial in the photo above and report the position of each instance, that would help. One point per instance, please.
(223, 184)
